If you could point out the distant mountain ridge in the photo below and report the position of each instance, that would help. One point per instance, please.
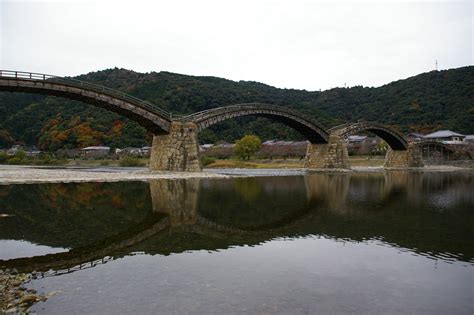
(426, 102)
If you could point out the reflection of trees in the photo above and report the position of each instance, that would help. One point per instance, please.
(81, 195)
(248, 188)
(430, 212)
(249, 203)
(396, 207)
(330, 189)
(69, 215)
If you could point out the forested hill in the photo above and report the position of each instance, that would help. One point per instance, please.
(426, 102)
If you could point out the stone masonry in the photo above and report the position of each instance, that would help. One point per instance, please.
(332, 155)
(176, 198)
(176, 151)
(404, 158)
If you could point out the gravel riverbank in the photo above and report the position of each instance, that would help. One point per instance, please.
(20, 174)
(15, 298)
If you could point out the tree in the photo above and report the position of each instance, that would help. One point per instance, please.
(6, 140)
(247, 146)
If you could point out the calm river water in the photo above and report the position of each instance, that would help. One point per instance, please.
(360, 243)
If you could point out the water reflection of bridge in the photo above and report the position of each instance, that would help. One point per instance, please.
(205, 214)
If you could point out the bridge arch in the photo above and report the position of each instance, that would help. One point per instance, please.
(394, 139)
(310, 129)
(147, 115)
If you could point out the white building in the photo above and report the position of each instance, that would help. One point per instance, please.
(446, 136)
(95, 151)
(469, 139)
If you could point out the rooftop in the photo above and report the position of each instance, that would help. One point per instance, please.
(96, 148)
(356, 138)
(443, 134)
(416, 134)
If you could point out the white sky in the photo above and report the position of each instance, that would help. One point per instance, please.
(293, 44)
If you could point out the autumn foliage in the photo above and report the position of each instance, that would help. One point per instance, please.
(58, 133)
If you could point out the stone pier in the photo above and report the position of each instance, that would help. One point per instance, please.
(176, 151)
(332, 155)
(404, 158)
(176, 198)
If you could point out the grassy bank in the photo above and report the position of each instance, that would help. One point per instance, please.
(49, 160)
(207, 163)
(256, 164)
(125, 162)
(289, 163)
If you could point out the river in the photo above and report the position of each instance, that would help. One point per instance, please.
(353, 243)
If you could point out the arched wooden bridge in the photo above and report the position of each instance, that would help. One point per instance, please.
(149, 116)
(175, 142)
(394, 139)
(313, 131)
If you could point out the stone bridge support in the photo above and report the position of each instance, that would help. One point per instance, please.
(332, 155)
(331, 190)
(396, 159)
(178, 150)
(176, 198)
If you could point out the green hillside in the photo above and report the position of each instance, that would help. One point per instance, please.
(426, 102)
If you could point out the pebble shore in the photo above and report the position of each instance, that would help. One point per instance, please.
(15, 298)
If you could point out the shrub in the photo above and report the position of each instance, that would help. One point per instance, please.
(3, 157)
(206, 160)
(20, 154)
(47, 159)
(16, 161)
(128, 161)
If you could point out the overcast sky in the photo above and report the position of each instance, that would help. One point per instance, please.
(291, 44)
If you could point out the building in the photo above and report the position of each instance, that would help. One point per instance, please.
(221, 150)
(95, 151)
(357, 144)
(146, 150)
(283, 149)
(139, 152)
(446, 136)
(14, 149)
(129, 151)
(205, 147)
(32, 152)
(414, 137)
(469, 139)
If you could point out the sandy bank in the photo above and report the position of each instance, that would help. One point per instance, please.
(20, 174)
(16, 174)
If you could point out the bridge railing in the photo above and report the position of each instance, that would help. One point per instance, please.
(9, 74)
(344, 125)
(245, 106)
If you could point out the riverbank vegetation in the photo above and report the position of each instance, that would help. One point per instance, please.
(235, 162)
(207, 162)
(20, 158)
(131, 161)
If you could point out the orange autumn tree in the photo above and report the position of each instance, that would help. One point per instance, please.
(85, 135)
(72, 133)
(52, 136)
